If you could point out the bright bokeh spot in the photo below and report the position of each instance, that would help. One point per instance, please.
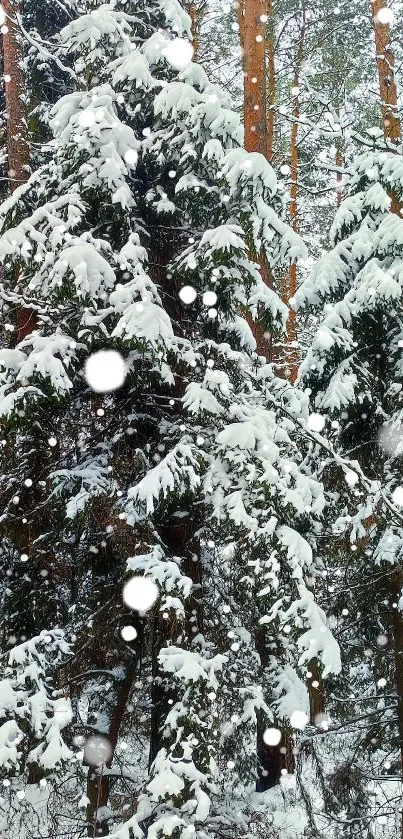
(209, 298)
(129, 633)
(179, 53)
(385, 16)
(272, 736)
(188, 294)
(131, 157)
(299, 719)
(97, 750)
(140, 593)
(316, 422)
(351, 477)
(105, 371)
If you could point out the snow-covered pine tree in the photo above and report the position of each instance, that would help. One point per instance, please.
(33, 717)
(354, 373)
(138, 237)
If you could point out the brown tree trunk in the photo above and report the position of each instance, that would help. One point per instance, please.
(271, 79)
(98, 783)
(316, 690)
(392, 134)
(195, 11)
(251, 20)
(240, 8)
(254, 76)
(269, 758)
(387, 85)
(396, 590)
(17, 128)
(291, 354)
(15, 97)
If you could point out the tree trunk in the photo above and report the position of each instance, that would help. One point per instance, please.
(195, 11)
(392, 134)
(271, 79)
(98, 783)
(316, 690)
(396, 590)
(291, 354)
(254, 76)
(387, 85)
(251, 20)
(15, 97)
(98, 794)
(17, 128)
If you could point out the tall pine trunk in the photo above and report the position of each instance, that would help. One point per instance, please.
(271, 80)
(387, 85)
(258, 132)
(254, 59)
(15, 97)
(98, 782)
(291, 354)
(195, 10)
(392, 134)
(253, 16)
(17, 128)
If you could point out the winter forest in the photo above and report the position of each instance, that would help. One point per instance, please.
(201, 419)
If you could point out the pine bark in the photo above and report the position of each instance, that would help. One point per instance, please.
(254, 60)
(195, 11)
(392, 134)
(396, 591)
(256, 127)
(271, 79)
(387, 84)
(98, 782)
(291, 354)
(15, 97)
(316, 690)
(17, 128)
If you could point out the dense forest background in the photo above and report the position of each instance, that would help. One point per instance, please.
(201, 419)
